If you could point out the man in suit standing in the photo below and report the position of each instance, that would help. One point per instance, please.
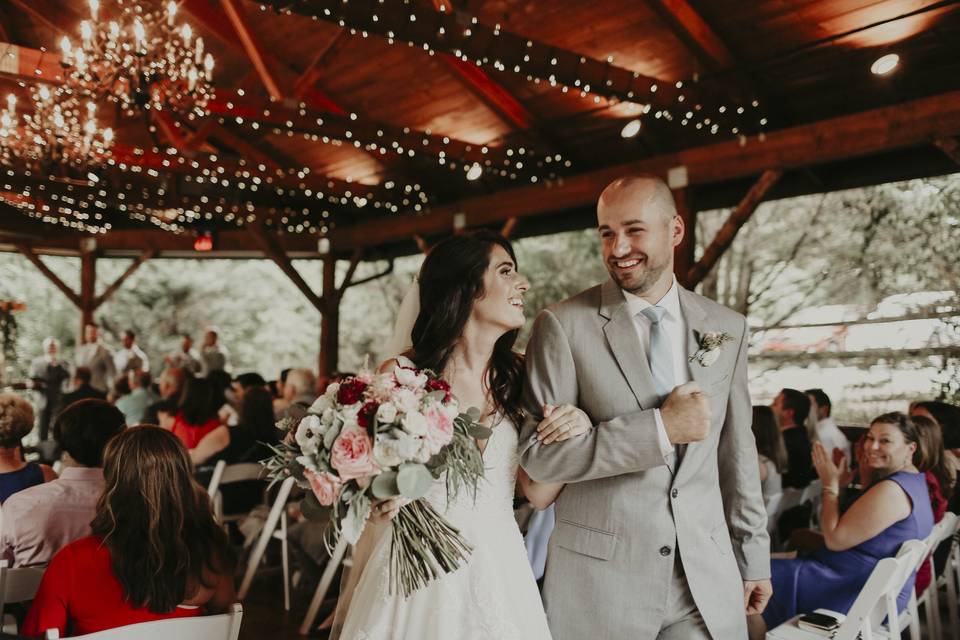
(661, 530)
(96, 357)
(48, 373)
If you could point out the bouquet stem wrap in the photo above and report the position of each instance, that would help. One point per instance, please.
(424, 547)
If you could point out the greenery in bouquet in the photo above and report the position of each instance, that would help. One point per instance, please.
(376, 436)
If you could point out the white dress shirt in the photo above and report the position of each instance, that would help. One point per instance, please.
(675, 327)
(132, 359)
(830, 436)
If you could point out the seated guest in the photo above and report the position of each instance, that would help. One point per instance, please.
(791, 408)
(894, 509)
(929, 459)
(825, 428)
(948, 417)
(135, 404)
(196, 412)
(41, 520)
(300, 391)
(280, 402)
(82, 389)
(155, 551)
(243, 383)
(770, 448)
(119, 389)
(16, 421)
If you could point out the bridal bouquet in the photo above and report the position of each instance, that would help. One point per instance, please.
(376, 436)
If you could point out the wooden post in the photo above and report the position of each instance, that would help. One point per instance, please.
(684, 253)
(88, 284)
(329, 319)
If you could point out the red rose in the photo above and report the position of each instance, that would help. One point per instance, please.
(437, 384)
(366, 414)
(351, 391)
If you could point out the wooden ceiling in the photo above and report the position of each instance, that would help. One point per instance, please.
(804, 61)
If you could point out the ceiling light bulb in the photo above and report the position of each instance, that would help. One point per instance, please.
(885, 64)
(475, 171)
(631, 129)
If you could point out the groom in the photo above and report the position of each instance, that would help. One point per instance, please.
(661, 531)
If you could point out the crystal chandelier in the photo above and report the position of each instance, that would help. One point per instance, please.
(60, 131)
(142, 59)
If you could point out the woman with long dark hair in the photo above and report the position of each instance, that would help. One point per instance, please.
(770, 449)
(471, 311)
(155, 551)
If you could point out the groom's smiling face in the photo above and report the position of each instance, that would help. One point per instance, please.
(639, 228)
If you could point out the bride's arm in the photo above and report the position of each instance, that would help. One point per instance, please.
(540, 494)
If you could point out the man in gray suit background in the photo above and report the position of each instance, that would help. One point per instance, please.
(661, 529)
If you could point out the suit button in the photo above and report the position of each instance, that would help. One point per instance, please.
(674, 493)
(664, 551)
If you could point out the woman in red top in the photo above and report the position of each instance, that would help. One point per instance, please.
(197, 413)
(156, 552)
(930, 459)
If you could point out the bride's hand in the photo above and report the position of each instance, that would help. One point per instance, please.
(562, 423)
(386, 510)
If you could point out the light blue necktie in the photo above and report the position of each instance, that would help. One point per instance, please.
(660, 355)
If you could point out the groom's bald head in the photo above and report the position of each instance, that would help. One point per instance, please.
(644, 191)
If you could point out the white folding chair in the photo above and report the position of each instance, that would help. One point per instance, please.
(225, 626)
(277, 516)
(224, 474)
(324, 586)
(17, 585)
(876, 602)
(950, 580)
(929, 599)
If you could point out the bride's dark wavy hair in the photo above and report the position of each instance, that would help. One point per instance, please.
(451, 280)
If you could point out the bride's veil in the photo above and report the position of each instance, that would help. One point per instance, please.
(400, 342)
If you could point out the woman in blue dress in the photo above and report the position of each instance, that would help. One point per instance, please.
(894, 509)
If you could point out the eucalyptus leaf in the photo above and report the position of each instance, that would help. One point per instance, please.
(414, 480)
(385, 485)
(478, 431)
(331, 434)
(352, 525)
(473, 413)
(312, 510)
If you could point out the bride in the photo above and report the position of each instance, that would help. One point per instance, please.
(471, 311)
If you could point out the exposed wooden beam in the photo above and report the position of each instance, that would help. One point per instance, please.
(726, 234)
(690, 27)
(913, 123)
(62, 19)
(949, 146)
(348, 277)
(309, 77)
(329, 320)
(252, 46)
(30, 65)
(507, 229)
(273, 250)
(147, 254)
(28, 253)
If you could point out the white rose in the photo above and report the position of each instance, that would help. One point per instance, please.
(407, 445)
(387, 413)
(424, 452)
(406, 401)
(415, 422)
(452, 410)
(332, 390)
(710, 357)
(321, 404)
(328, 417)
(386, 452)
(410, 378)
(309, 434)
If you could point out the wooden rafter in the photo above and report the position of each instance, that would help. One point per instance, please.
(917, 122)
(309, 77)
(950, 146)
(145, 255)
(274, 250)
(696, 33)
(41, 266)
(252, 47)
(508, 226)
(738, 217)
(61, 19)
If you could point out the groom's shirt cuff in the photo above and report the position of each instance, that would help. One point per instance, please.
(666, 447)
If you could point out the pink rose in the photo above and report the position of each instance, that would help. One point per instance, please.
(440, 431)
(325, 486)
(352, 454)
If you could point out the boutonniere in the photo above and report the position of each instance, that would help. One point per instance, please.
(709, 345)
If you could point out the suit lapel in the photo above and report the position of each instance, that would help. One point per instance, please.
(621, 334)
(697, 324)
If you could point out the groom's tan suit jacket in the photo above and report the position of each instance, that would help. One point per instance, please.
(624, 514)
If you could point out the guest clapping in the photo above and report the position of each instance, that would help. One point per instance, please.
(156, 551)
(894, 509)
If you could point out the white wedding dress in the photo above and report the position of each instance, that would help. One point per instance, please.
(493, 596)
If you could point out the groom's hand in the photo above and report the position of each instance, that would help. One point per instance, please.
(686, 414)
(756, 594)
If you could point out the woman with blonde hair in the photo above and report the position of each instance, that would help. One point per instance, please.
(155, 551)
(16, 474)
